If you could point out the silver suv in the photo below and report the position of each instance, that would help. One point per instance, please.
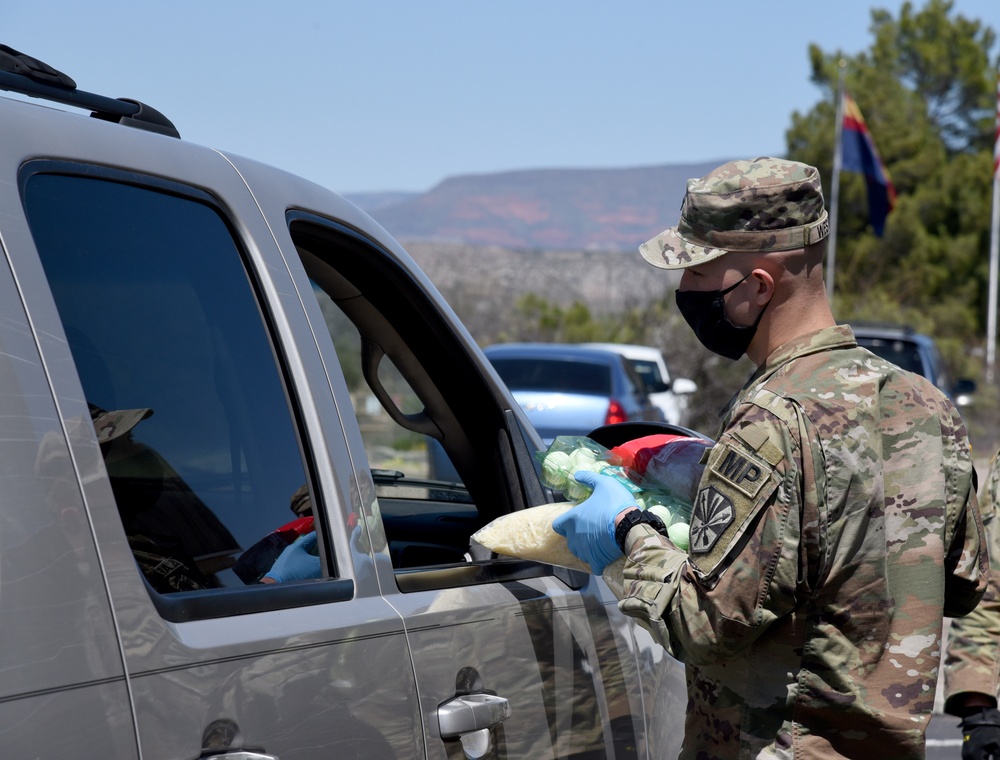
(205, 360)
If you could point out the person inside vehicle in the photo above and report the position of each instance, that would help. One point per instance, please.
(137, 474)
(142, 480)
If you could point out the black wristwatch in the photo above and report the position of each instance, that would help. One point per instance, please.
(633, 518)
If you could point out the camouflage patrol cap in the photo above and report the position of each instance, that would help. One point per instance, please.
(767, 204)
(115, 424)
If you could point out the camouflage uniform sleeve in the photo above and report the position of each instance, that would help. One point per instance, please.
(967, 569)
(743, 563)
(972, 656)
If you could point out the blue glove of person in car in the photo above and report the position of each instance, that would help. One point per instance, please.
(297, 562)
(589, 527)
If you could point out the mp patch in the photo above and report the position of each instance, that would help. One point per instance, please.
(713, 512)
(744, 472)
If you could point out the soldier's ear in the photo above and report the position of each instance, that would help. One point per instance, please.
(764, 284)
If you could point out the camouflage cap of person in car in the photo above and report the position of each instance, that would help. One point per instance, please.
(110, 425)
(767, 204)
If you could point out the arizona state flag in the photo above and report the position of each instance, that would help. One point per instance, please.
(858, 154)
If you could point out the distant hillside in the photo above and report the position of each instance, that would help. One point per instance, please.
(548, 209)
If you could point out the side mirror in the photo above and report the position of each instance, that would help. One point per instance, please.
(681, 386)
(657, 386)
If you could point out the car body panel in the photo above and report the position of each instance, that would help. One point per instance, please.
(228, 678)
(60, 656)
(507, 637)
(553, 413)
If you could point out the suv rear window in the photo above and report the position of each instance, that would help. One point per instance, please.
(555, 375)
(176, 362)
(902, 353)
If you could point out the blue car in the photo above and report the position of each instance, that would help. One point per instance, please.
(571, 389)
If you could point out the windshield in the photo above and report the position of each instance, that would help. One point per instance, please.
(648, 371)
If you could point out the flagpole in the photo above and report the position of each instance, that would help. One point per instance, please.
(991, 317)
(831, 249)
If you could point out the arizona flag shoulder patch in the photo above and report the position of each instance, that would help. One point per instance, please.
(737, 484)
(712, 513)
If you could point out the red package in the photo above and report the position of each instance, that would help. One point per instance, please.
(296, 528)
(670, 465)
(257, 560)
(636, 454)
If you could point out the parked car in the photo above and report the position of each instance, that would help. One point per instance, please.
(915, 352)
(175, 321)
(669, 393)
(570, 389)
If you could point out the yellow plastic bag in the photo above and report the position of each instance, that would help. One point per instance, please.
(528, 534)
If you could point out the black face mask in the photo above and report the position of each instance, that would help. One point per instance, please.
(705, 312)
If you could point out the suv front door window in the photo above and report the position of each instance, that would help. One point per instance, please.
(537, 636)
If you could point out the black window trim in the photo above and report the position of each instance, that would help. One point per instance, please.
(189, 606)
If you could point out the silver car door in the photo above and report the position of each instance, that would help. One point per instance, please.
(163, 294)
(538, 660)
(63, 690)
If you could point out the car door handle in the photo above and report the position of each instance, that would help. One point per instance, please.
(471, 712)
(243, 755)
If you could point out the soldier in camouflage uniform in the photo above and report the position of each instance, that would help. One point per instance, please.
(836, 522)
(972, 657)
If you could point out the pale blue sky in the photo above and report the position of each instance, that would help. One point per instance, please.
(380, 95)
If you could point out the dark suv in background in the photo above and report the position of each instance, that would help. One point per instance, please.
(915, 352)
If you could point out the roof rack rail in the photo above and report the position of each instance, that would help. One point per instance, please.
(26, 75)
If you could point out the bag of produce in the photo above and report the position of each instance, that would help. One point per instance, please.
(663, 471)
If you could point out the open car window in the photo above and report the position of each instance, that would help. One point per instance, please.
(438, 442)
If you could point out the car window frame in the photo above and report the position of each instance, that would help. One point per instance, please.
(519, 459)
(207, 604)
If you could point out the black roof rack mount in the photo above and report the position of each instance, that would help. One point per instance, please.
(29, 76)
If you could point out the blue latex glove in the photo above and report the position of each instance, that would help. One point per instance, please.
(589, 527)
(296, 563)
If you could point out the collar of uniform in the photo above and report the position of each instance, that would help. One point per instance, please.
(839, 336)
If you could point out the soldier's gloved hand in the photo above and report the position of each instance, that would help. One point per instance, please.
(589, 527)
(296, 562)
(981, 735)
